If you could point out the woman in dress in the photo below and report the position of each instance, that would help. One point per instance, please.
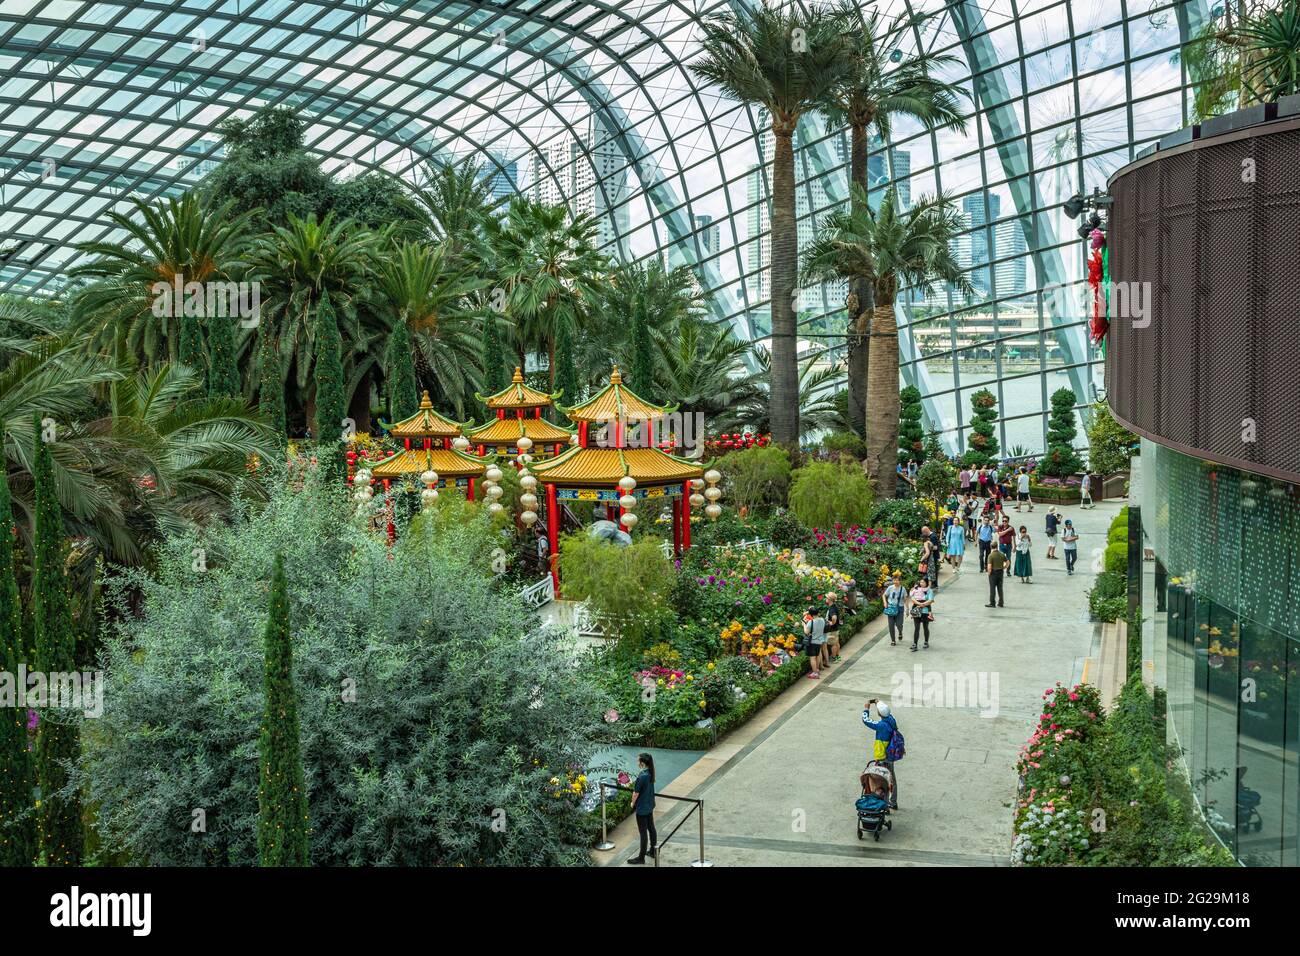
(1024, 567)
(956, 542)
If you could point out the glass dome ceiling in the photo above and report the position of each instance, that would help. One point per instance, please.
(593, 104)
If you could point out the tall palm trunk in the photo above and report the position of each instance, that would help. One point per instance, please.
(784, 395)
(859, 344)
(882, 400)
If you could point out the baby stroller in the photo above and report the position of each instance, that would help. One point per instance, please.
(1248, 801)
(873, 805)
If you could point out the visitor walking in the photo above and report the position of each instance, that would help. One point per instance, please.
(997, 565)
(922, 611)
(964, 478)
(1053, 520)
(895, 601)
(1070, 543)
(832, 627)
(935, 550)
(814, 629)
(956, 543)
(885, 729)
(968, 516)
(986, 536)
(1022, 489)
(1085, 492)
(644, 805)
(1024, 568)
(983, 478)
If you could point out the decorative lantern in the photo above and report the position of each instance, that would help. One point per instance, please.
(528, 502)
(527, 482)
(697, 483)
(529, 518)
(697, 500)
(460, 443)
(428, 496)
(713, 511)
(429, 477)
(627, 502)
(493, 474)
(494, 492)
(496, 507)
(524, 444)
(627, 483)
(628, 521)
(713, 494)
(712, 476)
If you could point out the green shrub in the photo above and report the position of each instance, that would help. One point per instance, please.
(823, 493)
(788, 531)
(1117, 533)
(907, 515)
(1109, 443)
(628, 584)
(845, 443)
(1116, 559)
(756, 478)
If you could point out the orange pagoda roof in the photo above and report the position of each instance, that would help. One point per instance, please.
(447, 462)
(507, 431)
(425, 423)
(603, 467)
(614, 402)
(517, 395)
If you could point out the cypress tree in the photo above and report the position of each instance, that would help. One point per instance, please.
(495, 374)
(983, 442)
(643, 360)
(270, 388)
(281, 796)
(192, 349)
(223, 373)
(58, 737)
(18, 838)
(331, 404)
(566, 375)
(911, 436)
(403, 394)
(1061, 458)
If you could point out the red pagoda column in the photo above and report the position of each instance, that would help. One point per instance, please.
(677, 525)
(553, 536)
(686, 516)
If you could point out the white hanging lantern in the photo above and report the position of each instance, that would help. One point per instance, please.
(713, 476)
(495, 492)
(713, 511)
(525, 458)
(697, 500)
(496, 507)
(697, 483)
(628, 521)
(627, 502)
(429, 477)
(627, 483)
(428, 496)
(528, 502)
(524, 444)
(493, 474)
(529, 518)
(460, 443)
(361, 479)
(527, 482)
(713, 494)
(573, 439)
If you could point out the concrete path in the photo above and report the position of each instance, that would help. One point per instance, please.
(780, 790)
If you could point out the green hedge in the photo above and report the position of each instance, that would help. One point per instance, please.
(702, 738)
(1116, 560)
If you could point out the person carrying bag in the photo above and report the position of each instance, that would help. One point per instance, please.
(895, 600)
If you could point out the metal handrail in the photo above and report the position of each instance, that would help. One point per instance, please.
(605, 845)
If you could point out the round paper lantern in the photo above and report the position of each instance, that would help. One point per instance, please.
(527, 482)
(627, 483)
(713, 476)
(524, 443)
(495, 492)
(496, 507)
(529, 518)
(428, 496)
(628, 521)
(493, 474)
(713, 511)
(713, 494)
(362, 479)
(697, 500)
(627, 502)
(697, 483)
(429, 477)
(528, 502)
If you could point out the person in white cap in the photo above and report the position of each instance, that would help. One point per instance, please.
(885, 729)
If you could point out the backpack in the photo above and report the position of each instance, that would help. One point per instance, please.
(895, 749)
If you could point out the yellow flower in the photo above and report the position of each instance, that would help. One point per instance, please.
(690, 677)
(710, 665)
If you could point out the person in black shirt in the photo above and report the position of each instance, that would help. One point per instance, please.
(833, 627)
(643, 805)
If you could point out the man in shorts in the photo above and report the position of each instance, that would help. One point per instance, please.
(1022, 489)
(814, 629)
(832, 627)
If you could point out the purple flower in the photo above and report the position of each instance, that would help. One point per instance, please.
(712, 579)
(32, 719)
(767, 599)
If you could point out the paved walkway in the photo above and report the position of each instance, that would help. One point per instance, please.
(780, 790)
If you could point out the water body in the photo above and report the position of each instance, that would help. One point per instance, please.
(1020, 397)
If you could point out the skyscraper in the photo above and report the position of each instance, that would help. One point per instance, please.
(589, 175)
(502, 176)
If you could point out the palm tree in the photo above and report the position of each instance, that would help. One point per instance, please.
(648, 293)
(298, 264)
(425, 288)
(884, 83)
(550, 271)
(785, 61)
(893, 249)
(187, 239)
(454, 202)
(702, 366)
(23, 322)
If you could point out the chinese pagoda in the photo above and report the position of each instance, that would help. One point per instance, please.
(518, 410)
(432, 443)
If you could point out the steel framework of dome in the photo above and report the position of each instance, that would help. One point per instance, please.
(593, 103)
